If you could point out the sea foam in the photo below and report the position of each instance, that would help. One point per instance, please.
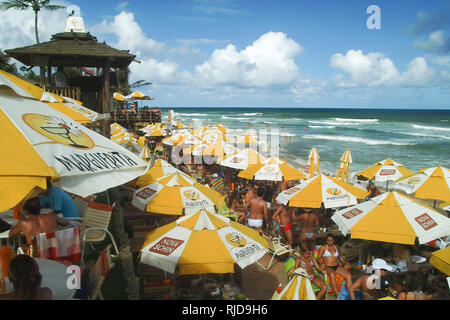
(416, 126)
(354, 139)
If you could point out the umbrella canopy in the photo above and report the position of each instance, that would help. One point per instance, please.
(446, 206)
(386, 170)
(429, 183)
(119, 97)
(138, 95)
(154, 130)
(441, 260)
(392, 217)
(344, 164)
(39, 142)
(218, 149)
(272, 170)
(146, 153)
(202, 243)
(67, 106)
(179, 138)
(311, 193)
(299, 288)
(127, 141)
(160, 168)
(242, 159)
(313, 162)
(175, 194)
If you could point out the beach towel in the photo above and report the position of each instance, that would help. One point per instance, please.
(62, 245)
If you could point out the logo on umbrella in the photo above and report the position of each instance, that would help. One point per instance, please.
(425, 221)
(236, 239)
(414, 180)
(334, 191)
(58, 130)
(237, 160)
(191, 195)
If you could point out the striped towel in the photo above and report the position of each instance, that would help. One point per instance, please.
(61, 245)
(218, 184)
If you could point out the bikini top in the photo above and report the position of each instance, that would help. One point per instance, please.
(303, 264)
(328, 253)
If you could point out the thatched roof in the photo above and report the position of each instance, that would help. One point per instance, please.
(72, 49)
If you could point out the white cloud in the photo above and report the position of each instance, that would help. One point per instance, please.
(374, 69)
(20, 25)
(268, 61)
(130, 35)
(305, 86)
(122, 6)
(436, 42)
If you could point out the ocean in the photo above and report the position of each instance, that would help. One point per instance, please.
(415, 138)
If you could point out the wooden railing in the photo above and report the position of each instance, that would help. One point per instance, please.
(70, 92)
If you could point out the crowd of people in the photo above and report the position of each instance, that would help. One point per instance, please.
(128, 116)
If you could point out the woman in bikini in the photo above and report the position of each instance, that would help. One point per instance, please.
(331, 258)
(307, 262)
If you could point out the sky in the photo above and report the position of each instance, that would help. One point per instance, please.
(264, 53)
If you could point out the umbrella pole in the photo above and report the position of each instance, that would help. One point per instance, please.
(434, 205)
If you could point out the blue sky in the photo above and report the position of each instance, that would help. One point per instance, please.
(271, 53)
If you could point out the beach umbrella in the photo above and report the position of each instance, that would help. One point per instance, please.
(138, 95)
(202, 243)
(441, 260)
(67, 106)
(429, 183)
(160, 168)
(298, 288)
(446, 206)
(218, 149)
(384, 171)
(119, 97)
(242, 159)
(313, 162)
(127, 141)
(344, 163)
(39, 142)
(146, 153)
(175, 194)
(273, 169)
(222, 128)
(321, 189)
(181, 138)
(392, 217)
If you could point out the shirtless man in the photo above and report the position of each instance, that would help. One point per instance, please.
(283, 216)
(306, 261)
(258, 212)
(34, 223)
(309, 221)
(283, 185)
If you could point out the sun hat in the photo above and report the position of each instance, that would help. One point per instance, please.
(381, 264)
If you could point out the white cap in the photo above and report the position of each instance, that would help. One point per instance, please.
(381, 264)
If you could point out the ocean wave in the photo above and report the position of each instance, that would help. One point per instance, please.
(323, 127)
(252, 114)
(416, 126)
(423, 135)
(354, 139)
(329, 122)
(191, 114)
(276, 133)
(443, 120)
(236, 118)
(355, 120)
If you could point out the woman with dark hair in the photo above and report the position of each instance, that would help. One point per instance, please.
(331, 258)
(26, 279)
(415, 289)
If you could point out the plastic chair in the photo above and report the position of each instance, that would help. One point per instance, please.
(98, 273)
(94, 226)
(276, 248)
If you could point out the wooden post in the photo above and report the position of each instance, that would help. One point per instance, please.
(106, 97)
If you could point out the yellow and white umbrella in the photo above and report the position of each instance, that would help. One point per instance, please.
(175, 194)
(222, 128)
(181, 138)
(39, 142)
(146, 153)
(218, 150)
(299, 288)
(386, 170)
(127, 141)
(272, 170)
(344, 163)
(429, 183)
(202, 243)
(138, 95)
(446, 206)
(392, 217)
(160, 168)
(154, 130)
(313, 162)
(441, 260)
(68, 107)
(321, 189)
(119, 97)
(242, 159)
